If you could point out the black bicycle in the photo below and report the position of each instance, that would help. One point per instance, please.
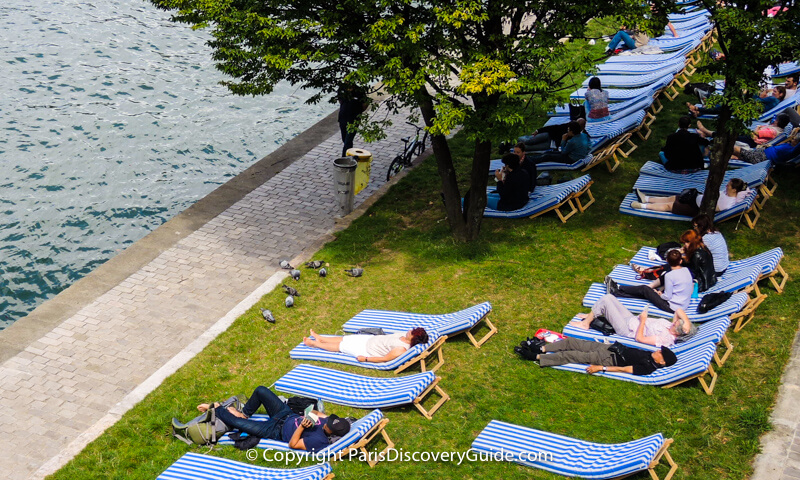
(412, 148)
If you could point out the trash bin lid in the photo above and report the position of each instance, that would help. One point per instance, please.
(345, 162)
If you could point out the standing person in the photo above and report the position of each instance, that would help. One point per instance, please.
(352, 103)
(683, 151)
(714, 241)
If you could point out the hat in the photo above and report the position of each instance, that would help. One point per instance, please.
(669, 357)
(339, 426)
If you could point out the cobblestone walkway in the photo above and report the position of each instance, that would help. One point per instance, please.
(92, 360)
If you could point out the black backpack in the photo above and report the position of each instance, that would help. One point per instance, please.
(712, 300)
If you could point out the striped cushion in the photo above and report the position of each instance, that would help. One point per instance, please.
(690, 362)
(393, 321)
(658, 58)
(193, 466)
(636, 305)
(618, 94)
(302, 352)
(625, 207)
(732, 281)
(357, 431)
(543, 198)
(710, 331)
(564, 455)
(673, 44)
(768, 261)
(656, 79)
(784, 69)
(613, 108)
(497, 164)
(674, 67)
(353, 390)
(655, 178)
(596, 129)
(685, 17)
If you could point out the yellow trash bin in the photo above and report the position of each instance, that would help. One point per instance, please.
(364, 159)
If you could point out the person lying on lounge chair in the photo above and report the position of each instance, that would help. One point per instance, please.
(651, 331)
(599, 356)
(777, 153)
(735, 191)
(283, 424)
(370, 348)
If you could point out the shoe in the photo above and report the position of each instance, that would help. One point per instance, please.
(637, 205)
(642, 197)
(637, 268)
(611, 286)
(528, 353)
(532, 342)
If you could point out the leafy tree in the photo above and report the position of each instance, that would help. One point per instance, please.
(751, 41)
(482, 65)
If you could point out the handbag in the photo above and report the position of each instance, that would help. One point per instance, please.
(652, 273)
(601, 324)
(665, 247)
(619, 350)
(712, 300)
(688, 196)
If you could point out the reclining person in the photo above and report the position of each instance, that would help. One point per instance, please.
(283, 424)
(370, 348)
(760, 134)
(677, 283)
(575, 145)
(734, 192)
(778, 154)
(549, 136)
(599, 356)
(651, 331)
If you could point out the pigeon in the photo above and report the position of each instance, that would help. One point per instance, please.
(289, 301)
(355, 272)
(295, 274)
(286, 265)
(291, 291)
(323, 272)
(315, 264)
(267, 315)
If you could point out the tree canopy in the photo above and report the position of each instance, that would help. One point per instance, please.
(478, 65)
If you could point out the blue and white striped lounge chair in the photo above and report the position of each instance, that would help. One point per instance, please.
(676, 18)
(688, 24)
(733, 280)
(617, 94)
(571, 457)
(671, 44)
(655, 178)
(659, 58)
(784, 69)
(552, 197)
(691, 364)
(746, 209)
(711, 331)
(449, 324)
(418, 353)
(618, 68)
(193, 466)
(615, 109)
(740, 307)
(494, 165)
(361, 434)
(769, 262)
(358, 391)
(657, 80)
(768, 115)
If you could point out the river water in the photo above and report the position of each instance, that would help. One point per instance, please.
(111, 122)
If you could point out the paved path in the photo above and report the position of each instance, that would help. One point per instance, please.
(93, 360)
(780, 456)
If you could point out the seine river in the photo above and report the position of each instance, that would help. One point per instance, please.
(112, 122)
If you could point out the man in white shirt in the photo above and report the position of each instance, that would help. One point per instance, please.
(791, 85)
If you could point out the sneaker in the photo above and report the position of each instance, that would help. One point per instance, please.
(611, 286)
(528, 353)
(642, 197)
(637, 205)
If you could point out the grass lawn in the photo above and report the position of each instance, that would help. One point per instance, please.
(535, 273)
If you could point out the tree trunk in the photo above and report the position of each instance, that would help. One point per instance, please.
(447, 173)
(721, 152)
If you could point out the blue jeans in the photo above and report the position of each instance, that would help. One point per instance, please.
(277, 411)
(622, 36)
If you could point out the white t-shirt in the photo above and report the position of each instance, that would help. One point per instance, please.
(381, 345)
(725, 202)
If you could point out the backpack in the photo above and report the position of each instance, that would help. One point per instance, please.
(665, 247)
(602, 325)
(205, 429)
(712, 300)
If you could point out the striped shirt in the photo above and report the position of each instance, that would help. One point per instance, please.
(719, 250)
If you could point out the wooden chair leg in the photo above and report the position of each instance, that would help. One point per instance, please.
(360, 446)
(583, 206)
(720, 361)
(663, 452)
(421, 358)
(492, 331)
(564, 217)
(432, 387)
(779, 286)
(708, 387)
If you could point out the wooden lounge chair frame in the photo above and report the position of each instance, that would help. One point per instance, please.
(708, 387)
(720, 361)
(576, 197)
(485, 338)
(662, 452)
(645, 125)
(609, 152)
(418, 401)
(773, 275)
(378, 428)
(573, 209)
(747, 313)
(435, 347)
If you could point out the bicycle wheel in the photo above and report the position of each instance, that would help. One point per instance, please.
(395, 167)
(422, 143)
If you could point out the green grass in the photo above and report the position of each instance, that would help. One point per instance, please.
(535, 273)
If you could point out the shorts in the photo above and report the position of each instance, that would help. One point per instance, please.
(756, 155)
(355, 345)
(685, 209)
